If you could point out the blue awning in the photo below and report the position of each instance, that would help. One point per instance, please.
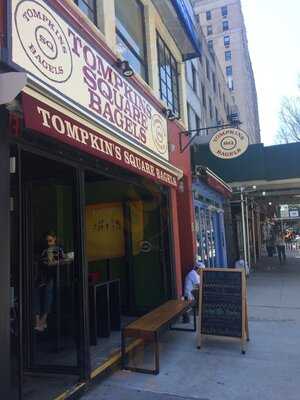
(177, 16)
(186, 20)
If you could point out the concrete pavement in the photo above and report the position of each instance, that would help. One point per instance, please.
(270, 370)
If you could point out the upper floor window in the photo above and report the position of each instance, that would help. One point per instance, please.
(228, 55)
(224, 11)
(193, 118)
(214, 81)
(225, 26)
(217, 115)
(203, 95)
(207, 69)
(168, 76)
(210, 44)
(227, 109)
(226, 41)
(131, 34)
(208, 15)
(229, 70)
(209, 30)
(88, 7)
(211, 113)
(194, 78)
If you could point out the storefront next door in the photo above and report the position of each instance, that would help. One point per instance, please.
(210, 230)
(206, 239)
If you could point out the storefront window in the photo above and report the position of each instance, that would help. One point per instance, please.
(127, 250)
(130, 29)
(206, 236)
(52, 300)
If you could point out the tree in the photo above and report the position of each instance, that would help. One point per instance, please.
(289, 120)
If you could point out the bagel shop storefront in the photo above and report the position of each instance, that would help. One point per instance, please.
(88, 176)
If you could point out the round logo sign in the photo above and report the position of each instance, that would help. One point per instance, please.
(145, 246)
(229, 143)
(159, 134)
(43, 41)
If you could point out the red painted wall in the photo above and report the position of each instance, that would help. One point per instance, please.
(182, 212)
(184, 201)
(2, 23)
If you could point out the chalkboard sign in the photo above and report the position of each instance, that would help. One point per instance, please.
(222, 304)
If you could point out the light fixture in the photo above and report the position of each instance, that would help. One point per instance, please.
(181, 186)
(125, 67)
(169, 114)
(270, 203)
(172, 147)
(15, 107)
(254, 187)
(263, 193)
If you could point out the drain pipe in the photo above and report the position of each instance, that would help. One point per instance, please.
(253, 231)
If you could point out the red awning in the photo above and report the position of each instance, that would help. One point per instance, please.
(47, 120)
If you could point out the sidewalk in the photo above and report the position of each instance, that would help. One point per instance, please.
(270, 370)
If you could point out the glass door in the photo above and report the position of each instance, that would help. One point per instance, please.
(15, 278)
(52, 298)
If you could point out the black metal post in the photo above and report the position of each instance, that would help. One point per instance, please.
(5, 356)
(84, 349)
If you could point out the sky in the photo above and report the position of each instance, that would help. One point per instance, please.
(273, 30)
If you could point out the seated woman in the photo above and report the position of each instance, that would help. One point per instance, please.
(43, 288)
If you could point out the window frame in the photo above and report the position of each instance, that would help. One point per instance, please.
(208, 15)
(230, 55)
(230, 83)
(144, 62)
(229, 70)
(224, 11)
(226, 44)
(213, 78)
(94, 10)
(194, 78)
(225, 25)
(171, 58)
(203, 94)
(207, 67)
(210, 106)
(209, 30)
(196, 119)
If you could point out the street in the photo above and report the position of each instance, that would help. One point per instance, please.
(269, 371)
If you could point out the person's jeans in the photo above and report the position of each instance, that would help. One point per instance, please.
(270, 251)
(43, 298)
(281, 253)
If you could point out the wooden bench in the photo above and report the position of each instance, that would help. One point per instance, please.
(150, 325)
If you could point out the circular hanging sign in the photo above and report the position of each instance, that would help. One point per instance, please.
(229, 143)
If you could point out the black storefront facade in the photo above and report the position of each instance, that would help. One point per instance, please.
(65, 173)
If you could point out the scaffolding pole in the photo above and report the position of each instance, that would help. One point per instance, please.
(243, 227)
(253, 232)
(247, 232)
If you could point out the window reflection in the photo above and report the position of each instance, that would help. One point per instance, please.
(131, 35)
